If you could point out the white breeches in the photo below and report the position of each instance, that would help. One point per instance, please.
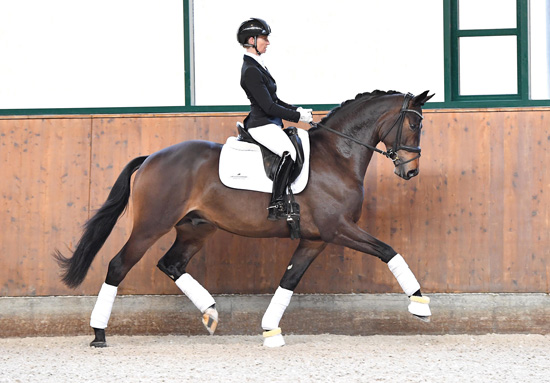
(272, 137)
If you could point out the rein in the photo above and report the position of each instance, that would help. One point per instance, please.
(391, 153)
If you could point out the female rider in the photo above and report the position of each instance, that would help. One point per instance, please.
(264, 122)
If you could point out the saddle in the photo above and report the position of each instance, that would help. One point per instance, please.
(247, 164)
(241, 164)
(271, 160)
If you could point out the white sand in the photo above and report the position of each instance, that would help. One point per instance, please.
(319, 358)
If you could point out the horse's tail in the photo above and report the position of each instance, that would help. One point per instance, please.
(98, 228)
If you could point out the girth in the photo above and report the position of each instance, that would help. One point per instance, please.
(271, 160)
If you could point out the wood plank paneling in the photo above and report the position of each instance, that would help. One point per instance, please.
(44, 172)
(476, 219)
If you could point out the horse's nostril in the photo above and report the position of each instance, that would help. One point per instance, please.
(412, 173)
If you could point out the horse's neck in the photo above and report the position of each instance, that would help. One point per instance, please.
(354, 157)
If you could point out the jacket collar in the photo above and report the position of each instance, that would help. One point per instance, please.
(258, 59)
(252, 61)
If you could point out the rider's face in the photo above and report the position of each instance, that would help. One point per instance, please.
(261, 43)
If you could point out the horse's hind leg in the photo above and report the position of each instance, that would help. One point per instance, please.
(191, 234)
(134, 249)
(304, 255)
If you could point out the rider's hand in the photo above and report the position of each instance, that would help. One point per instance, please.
(305, 114)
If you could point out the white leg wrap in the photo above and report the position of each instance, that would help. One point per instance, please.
(404, 275)
(276, 308)
(195, 292)
(103, 306)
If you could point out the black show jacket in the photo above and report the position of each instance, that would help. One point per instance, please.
(265, 106)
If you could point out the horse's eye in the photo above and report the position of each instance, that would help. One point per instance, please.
(416, 127)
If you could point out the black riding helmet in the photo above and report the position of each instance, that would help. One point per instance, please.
(252, 28)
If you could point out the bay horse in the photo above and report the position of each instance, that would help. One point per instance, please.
(179, 187)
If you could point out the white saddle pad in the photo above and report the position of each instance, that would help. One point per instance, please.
(242, 166)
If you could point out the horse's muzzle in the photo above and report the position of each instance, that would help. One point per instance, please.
(405, 173)
(407, 168)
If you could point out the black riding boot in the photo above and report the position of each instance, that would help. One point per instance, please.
(280, 183)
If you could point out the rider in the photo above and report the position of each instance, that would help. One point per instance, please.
(267, 111)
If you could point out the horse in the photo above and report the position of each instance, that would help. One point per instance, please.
(179, 187)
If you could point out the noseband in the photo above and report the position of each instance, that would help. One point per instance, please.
(392, 152)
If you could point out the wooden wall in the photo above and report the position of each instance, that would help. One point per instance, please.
(476, 219)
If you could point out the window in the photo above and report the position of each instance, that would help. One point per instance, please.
(128, 56)
(322, 52)
(488, 65)
(182, 55)
(497, 52)
(539, 49)
(91, 54)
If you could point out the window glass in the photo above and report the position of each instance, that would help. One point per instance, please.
(486, 14)
(488, 65)
(322, 52)
(539, 49)
(91, 53)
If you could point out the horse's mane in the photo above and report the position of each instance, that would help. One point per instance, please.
(361, 96)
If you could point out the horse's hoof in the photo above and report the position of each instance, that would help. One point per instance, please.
(420, 307)
(423, 319)
(210, 320)
(273, 338)
(98, 344)
(99, 340)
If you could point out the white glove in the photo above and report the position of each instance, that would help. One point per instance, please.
(305, 114)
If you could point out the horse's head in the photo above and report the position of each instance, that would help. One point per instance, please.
(402, 135)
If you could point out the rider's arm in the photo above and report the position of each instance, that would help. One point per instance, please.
(284, 104)
(257, 88)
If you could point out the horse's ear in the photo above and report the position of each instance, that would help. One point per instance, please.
(422, 98)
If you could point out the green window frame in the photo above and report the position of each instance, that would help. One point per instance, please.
(452, 35)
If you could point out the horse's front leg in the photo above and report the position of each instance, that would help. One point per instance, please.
(352, 236)
(304, 255)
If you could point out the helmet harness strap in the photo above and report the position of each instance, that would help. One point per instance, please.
(256, 45)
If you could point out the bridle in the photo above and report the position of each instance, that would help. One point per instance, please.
(392, 152)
